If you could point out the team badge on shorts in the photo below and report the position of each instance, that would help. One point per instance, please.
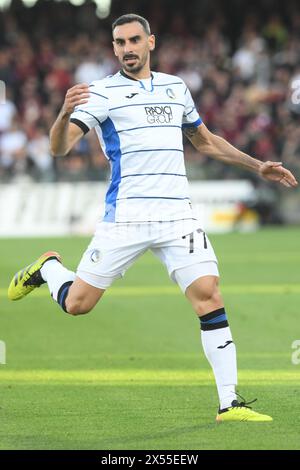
(95, 256)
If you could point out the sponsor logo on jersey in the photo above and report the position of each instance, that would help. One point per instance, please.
(159, 114)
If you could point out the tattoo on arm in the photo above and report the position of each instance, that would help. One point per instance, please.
(190, 131)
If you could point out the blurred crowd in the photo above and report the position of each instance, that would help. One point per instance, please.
(245, 80)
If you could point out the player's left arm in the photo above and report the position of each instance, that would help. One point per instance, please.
(216, 147)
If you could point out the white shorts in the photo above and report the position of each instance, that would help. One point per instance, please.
(182, 246)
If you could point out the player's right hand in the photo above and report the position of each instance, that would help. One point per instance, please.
(78, 94)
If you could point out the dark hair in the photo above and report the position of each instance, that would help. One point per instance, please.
(130, 18)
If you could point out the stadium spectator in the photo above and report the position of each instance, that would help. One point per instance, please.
(13, 148)
(39, 154)
(8, 113)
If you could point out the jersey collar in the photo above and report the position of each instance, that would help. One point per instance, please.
(124, 74)
(142, 86)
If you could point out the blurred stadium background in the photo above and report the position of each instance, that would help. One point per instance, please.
(131, 374)
(241, 61)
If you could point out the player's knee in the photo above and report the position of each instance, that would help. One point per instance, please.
(208, 296)
(209, 291)
(211, 295)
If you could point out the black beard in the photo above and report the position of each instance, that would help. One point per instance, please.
(133, 68)
(136, 68)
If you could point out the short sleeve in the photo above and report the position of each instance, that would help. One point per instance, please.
(190, 116)
(92, 113)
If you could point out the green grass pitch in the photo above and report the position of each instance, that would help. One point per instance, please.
(132, 374)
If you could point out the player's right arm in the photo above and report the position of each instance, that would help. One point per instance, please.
(64, 134)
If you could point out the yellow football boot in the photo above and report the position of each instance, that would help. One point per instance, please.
(239, 411)
(27, 279)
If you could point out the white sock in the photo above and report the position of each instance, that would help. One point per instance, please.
(55, 274)
(222, 361)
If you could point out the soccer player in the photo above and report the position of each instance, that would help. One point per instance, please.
(139, 117)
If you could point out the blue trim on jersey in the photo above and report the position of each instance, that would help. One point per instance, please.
(190, 111)
(118, 86)
(146, 104)
(153, 197)
(146, 127)
(82, 111)
(153, 174)
(186, 90)
(153, 150)
(162, 84)
(143, 86)
(98, 94)
(193, 124)
(168, 84)
(113, 151)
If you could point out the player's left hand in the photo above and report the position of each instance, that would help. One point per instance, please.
(274, 171)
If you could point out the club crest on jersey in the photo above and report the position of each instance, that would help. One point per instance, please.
(95, 256)
(170, 93)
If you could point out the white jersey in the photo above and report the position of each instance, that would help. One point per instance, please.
(139, 126)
